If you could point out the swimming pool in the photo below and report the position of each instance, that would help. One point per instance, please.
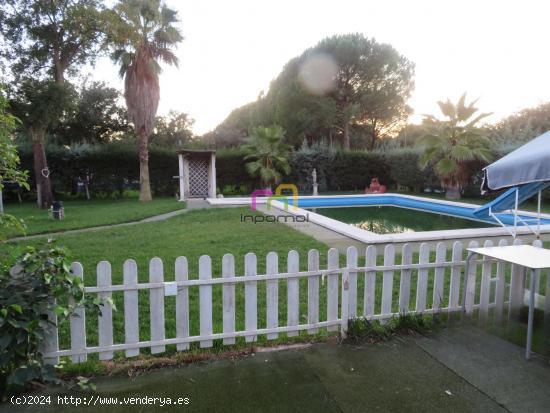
(454, 209)
(464, 224)
(392, 220)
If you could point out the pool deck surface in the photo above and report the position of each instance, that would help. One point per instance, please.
(458, 369)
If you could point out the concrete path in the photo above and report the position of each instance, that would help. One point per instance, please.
(191, 204)
(457, 370)
(495, 367)
(161, 217)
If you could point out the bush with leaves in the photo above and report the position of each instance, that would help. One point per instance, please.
(267, 154)
(39, 284)
(9, 162)
(405, 172)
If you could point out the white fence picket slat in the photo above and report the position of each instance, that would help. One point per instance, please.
(78, 322)
(352, 262)
(313, 290)
(205, 300)
(344, 316)
(333, 259)
(500, 286)
(272, 294)
(370, 282)
(485, 288)
(338, 291)
(228, 298)
(472, 277)
(405, 280)
(182, 303)
(456, 271)
(131, 312)
(156, 304)
(439, 276)
(105, 319)
(517, 283)
(422, 282)
(293, 292)
(387, 280)
(250, 296)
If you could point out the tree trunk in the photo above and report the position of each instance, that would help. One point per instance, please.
(144, 183)
(41, 171)
(372, 143)
(452, 192)
(346, 134)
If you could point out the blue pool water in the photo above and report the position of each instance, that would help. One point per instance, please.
(458, 211)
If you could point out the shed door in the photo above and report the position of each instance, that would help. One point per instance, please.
(198, 177)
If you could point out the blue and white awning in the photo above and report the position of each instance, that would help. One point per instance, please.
(529, 163)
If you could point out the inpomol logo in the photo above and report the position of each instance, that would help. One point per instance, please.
(278, 196)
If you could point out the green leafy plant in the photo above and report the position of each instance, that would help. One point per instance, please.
(267, 154)
(39, 284)
(9, 162)
(452, 145)
(373, 331)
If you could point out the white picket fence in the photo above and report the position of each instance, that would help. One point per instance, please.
(341, 295)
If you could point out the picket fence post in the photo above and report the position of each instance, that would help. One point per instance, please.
(422, 282)
(456, 271)
(228, 298)
(333, 263)
(313, 290)
(472, 276)
(439, 277)
(293, 297)
(131, 312)
(370, 282)
(78, 322)
(387, 280)
(351, 262)
(205, 300)
(405, 281)
(105, 319)
(272, 294)
(182, 303)
(250, 296)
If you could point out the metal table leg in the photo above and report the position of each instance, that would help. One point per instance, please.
(466, 276)
(533, 283)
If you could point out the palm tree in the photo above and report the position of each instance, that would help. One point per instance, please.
(452, 145)
(142, 33)
(268, 154)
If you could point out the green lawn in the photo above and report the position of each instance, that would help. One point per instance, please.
(85, 214)
(214, 232)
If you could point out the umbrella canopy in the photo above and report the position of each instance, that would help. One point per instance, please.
(529, 163)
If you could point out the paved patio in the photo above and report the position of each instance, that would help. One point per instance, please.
(460, 369)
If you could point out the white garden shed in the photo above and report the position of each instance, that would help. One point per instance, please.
(197, 173)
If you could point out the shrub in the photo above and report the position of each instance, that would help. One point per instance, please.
(38, 284)
(113, 169)
(405, 172)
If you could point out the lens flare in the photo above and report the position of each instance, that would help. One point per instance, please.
(318, 74)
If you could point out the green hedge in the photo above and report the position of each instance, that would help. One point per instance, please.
(114, 168)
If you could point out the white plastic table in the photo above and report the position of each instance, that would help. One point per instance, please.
(523, 255)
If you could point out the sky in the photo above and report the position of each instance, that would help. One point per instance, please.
(496, 51)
